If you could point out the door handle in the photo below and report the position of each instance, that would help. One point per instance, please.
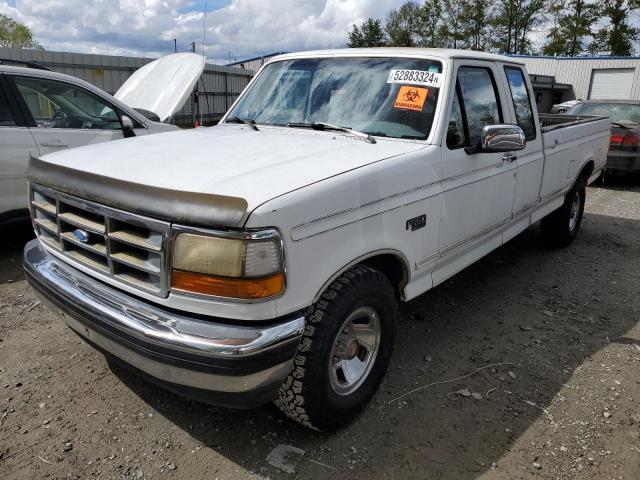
(53, 143)
(509, 157)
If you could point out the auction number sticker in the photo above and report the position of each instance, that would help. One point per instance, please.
(415, 77)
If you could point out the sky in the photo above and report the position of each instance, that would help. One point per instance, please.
(236, 29)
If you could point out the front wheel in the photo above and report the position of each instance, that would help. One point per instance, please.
(560, 228)
(345, 350)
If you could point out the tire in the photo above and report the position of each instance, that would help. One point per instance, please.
(560, 228)
(323, 391)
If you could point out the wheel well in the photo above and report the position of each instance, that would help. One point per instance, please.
(587, 170)
(392, 267)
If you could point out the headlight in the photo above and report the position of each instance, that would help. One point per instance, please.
(228, 265)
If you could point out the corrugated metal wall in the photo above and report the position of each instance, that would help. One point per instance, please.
(219, 88)
(222, 85)
(253, 65)
(578, 71)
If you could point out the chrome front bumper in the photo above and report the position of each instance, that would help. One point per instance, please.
(202, 357)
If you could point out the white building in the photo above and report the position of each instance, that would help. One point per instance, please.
(591, 77)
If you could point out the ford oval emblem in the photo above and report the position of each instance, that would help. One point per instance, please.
(81, 235)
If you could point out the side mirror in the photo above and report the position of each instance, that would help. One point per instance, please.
(502, 138)
(127, 127)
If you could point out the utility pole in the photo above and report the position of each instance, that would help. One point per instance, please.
(175, 45)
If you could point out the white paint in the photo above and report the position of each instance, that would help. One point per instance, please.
(163, 85)
(18, 143)
(232, 159)
(611, 84)
(336, 199)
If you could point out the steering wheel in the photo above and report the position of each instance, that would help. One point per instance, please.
(59, 119)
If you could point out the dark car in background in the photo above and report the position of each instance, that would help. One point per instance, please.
(624, 148)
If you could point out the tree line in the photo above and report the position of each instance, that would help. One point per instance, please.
(566, 27)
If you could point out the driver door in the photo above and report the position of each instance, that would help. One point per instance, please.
(478, 187)
(64, 115)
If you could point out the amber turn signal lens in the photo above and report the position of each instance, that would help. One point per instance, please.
(245, 288)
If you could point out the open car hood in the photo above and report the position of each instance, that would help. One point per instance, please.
(163, 85)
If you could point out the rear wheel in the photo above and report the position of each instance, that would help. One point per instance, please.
(344, 352)
(560, 228)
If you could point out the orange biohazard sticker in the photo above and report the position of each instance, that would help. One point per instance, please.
(411, 98)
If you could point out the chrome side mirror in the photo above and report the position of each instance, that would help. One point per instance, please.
(127, 126)
(502, 138)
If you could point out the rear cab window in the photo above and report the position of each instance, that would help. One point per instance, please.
(521, 101)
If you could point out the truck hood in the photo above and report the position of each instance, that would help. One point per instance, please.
(163, 85)
(208, 176)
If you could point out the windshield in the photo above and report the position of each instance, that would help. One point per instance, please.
(388, 97)
(618, 112)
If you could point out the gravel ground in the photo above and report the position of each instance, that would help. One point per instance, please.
(566, 406)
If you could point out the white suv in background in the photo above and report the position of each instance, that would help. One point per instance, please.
(43, 111)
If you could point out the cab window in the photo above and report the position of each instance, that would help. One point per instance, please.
(54, 104)
(475, 105)
(521, 101)
(6, 118)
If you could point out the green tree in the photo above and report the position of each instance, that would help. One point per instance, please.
(555, 40)
(531, 15)
(476, 18)
(16, 35)
(618, 35)
(574, 24)
(513, 22)
(369, 34)
(452, 31)
(402, 25)
(429, 24)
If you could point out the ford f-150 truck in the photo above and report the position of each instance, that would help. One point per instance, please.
(264, 258)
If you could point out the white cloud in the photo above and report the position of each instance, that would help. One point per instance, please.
(147, 27)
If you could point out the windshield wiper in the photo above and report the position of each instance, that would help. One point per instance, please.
(244, 121)
(327, 126)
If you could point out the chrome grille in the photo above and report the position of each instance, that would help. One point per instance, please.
(127, 247)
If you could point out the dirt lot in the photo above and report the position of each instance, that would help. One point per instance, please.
(568, 407)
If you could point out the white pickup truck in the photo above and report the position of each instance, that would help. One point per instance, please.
(264, 258)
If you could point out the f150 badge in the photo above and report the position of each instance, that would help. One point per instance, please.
(81, 235)
(416, 223)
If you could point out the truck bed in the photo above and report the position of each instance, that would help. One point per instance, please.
(567, 141)
(553, 121)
